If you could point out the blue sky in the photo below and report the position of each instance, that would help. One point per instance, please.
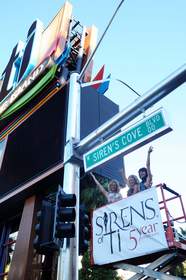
(146, 43)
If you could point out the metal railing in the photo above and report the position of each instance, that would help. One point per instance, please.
(168, 222)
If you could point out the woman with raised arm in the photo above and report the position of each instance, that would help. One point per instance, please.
(113, 194)
(145, 173)
(132, 182)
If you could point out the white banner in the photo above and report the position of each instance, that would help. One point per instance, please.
(129, 228)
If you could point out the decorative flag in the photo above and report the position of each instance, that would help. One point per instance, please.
(104, 86)
(98, 77)
(101, 87)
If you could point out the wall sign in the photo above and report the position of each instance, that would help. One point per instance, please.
(27, 60)
(24, 85)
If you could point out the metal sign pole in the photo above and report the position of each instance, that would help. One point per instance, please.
(68, 260)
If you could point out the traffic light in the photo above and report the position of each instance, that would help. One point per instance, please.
(43, 241)
(84, 230)
(65, 215)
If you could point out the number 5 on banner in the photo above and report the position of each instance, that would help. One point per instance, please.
(133, 240)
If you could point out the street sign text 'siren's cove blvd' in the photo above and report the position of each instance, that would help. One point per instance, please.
(148, 129)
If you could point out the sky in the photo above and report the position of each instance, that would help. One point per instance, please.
(145, 44)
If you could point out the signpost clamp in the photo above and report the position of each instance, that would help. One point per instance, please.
(71, 155)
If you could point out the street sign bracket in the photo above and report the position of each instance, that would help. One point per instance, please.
(71, 155)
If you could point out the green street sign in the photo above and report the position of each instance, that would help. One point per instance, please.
(142, 132)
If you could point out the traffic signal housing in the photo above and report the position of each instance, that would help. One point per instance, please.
(43, 241)
(84, 230)
(65, 215)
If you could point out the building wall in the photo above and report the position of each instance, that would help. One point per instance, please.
(97, 109)
(37, 145)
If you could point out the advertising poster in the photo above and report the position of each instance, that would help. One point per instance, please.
(129, 228)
